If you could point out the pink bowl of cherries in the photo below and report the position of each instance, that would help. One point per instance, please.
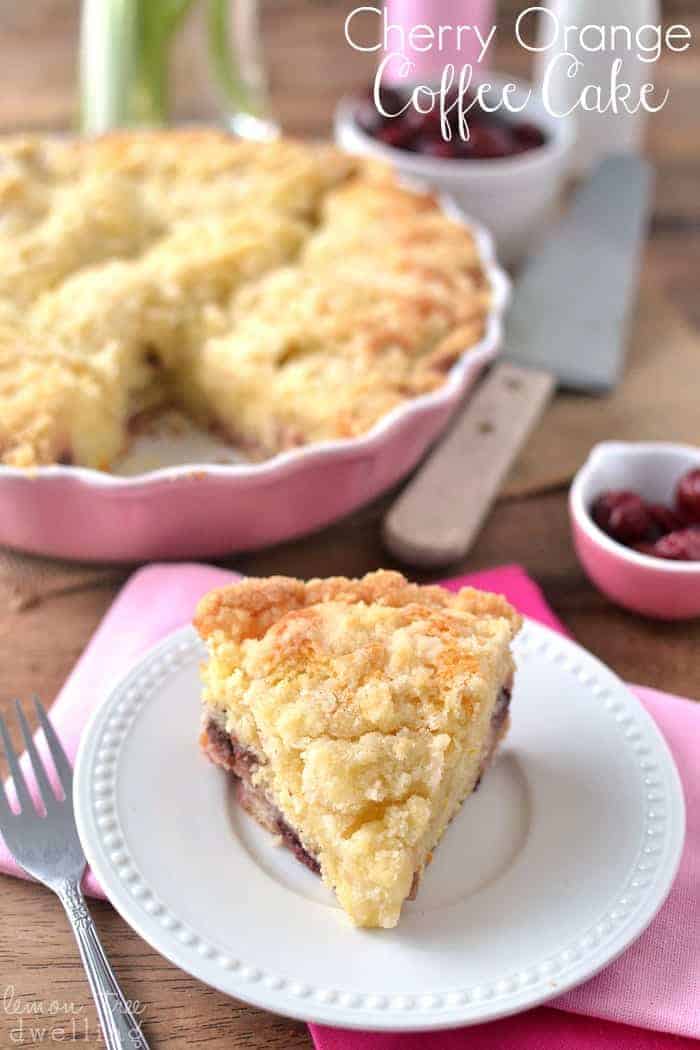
(635, 513)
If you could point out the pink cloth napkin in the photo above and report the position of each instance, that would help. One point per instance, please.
(655, 985)
(541, 1029)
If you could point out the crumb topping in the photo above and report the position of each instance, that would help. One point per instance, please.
(280, 293)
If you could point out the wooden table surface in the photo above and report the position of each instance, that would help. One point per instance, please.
(38, 645)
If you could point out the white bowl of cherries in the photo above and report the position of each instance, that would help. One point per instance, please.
(507, 175)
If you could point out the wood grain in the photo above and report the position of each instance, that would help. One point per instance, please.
(39, 643)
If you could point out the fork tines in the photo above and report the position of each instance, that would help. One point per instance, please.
(60, 761)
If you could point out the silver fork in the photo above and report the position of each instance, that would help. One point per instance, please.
(48, 848)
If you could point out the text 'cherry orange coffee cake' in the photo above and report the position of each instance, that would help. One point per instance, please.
(357, 715)
(276, 294)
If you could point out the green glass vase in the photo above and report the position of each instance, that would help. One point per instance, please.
(125, 63)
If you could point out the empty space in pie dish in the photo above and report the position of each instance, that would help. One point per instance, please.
(173, 440)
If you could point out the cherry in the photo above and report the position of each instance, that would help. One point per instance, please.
(645, 548)
(688, 497)
(488, 143)
(683, 545)
(431, 125)
(652, 528)
(528, 136)
(608, 502)
(665, 519)
(392, 101)
(436, 148)
(399, 133)
(630, 522)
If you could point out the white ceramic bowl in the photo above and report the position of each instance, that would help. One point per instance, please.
(515, 198)
(204, 511)
(666, 590)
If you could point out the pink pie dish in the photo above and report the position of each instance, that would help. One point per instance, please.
(664, 590)
(206, 509)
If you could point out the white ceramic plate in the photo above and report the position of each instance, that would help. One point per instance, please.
(183, 498)
(551, 870)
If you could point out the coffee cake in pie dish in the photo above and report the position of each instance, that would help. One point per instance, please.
(279, 293)
(356, 716)
(308, 315)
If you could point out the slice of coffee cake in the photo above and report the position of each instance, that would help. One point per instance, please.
(357, 716)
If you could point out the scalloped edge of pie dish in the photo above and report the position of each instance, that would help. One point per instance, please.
(27, 497)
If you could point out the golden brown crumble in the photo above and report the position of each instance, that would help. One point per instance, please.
(369, 705)
(281, 293)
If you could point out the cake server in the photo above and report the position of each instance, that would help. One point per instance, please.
(567, 326)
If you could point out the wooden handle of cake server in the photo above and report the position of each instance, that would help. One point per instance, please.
(440, 512)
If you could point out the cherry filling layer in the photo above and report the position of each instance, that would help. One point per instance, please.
(225, 751)
(501, 708)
